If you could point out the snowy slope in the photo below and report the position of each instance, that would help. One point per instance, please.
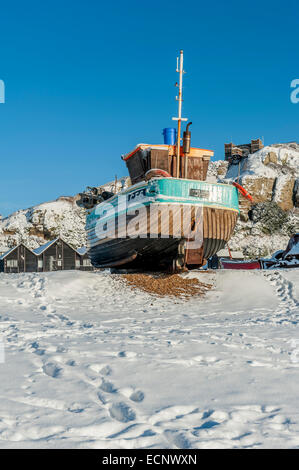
(36, 225)
(92, 363)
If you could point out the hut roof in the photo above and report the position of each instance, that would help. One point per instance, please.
(38, 251)
(41, 249)
(82, 251)
(8, 252)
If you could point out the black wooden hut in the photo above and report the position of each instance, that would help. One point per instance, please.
(55, 255)
(18, 259)
(83, 261)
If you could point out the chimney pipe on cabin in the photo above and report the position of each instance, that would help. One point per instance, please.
(187, 139)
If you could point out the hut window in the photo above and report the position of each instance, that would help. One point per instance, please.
(40, 263)
(86, 262)
(59, 262)
(12, 263)
(78, 263)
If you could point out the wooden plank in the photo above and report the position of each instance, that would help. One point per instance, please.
(194, 256)
(159, 159)
(228, 225)
(219, 224)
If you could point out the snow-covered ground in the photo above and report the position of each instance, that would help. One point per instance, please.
(90, 363)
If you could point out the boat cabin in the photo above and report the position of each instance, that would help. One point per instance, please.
(144, 157)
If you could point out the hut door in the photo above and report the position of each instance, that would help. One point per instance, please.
(52, 263)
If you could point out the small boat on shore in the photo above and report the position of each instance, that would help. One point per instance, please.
(169, 217)
(284, 259)
(237, 264)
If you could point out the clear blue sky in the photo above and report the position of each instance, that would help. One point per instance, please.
(88, 80)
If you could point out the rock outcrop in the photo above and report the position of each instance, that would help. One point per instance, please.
(39, 224)
(271, 176)
(36, 225)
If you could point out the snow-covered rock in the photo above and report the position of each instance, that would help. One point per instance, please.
(270, 175)
(44, 222)
(270, 162)
(217, 170)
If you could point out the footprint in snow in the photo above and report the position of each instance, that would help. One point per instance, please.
(137, 396)
(75, 408)
(71, 362)
(102, 398)
(106, 370)
(129, 354)
(99, 368)
(37, 350)
(107, 387)
(52, 370)
(62, 317)
(179, 440)
(122, 412)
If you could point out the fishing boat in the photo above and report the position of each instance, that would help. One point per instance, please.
(169, 217)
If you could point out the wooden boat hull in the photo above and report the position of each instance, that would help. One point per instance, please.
(156, 247)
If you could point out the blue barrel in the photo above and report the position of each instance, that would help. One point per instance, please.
(169, 134)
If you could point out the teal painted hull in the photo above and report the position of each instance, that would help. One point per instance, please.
(171, 191)
(197, 192)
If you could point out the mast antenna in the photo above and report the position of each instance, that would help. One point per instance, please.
(179, 69)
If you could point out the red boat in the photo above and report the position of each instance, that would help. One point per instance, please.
(240, 264)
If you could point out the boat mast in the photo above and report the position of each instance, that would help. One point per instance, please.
(179, 98)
